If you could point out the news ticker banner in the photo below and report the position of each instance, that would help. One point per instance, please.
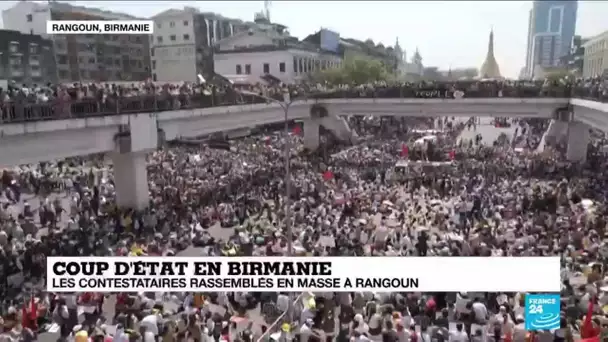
(99, 27)
(275, 274)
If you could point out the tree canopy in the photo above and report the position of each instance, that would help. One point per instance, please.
(558, 74)
(356, 70)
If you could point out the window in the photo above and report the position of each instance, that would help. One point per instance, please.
(158, 25)
(172, 24)
(159, 39)
(62, 59)
(33, 48)
(248, 69)
(239, 70)
(15, 61)
(295, 65)
(153, 64)
(152, 52)
(14, 47)
(185, 22)
(186, 37)
(172, 38)
(31, 31)
(266, 68)
(555, 20)
(29, 18)
(91, 60)
(282, 67)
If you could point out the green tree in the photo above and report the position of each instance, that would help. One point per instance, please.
(356, 70)
(558, 74)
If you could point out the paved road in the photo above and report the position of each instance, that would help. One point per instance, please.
(489, 132)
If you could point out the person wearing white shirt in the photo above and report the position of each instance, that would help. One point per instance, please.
(306, 330)
(480, 311)
(458, 335)
(358, 337)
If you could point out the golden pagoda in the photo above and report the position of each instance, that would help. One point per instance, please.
(489, 68)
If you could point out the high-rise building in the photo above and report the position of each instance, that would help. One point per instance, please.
(84, 57)
(551, 27)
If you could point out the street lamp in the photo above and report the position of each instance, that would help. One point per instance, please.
(285, 104)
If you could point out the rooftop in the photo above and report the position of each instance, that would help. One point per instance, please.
(65, 7)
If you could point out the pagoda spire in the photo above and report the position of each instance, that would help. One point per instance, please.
(491, 43)
(489, 68)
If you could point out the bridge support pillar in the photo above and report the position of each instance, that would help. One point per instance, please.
(311, 134)
(557, 130)
(578, 141)
(129, 159)
(131, 180)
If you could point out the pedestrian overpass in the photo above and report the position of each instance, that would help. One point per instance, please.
(128, 137)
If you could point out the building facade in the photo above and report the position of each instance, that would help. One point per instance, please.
(574, 60)
(394, 58)
(184, 41)
(551, 27)
(251, 55)
(84, 57)
(26, 58)
(595, 55)
(182, 46)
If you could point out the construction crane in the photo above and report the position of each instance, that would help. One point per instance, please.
(267, 4)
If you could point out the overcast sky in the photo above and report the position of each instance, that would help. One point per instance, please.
(451, 33)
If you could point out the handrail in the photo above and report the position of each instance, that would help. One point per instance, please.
(277, 321)
(12, 111)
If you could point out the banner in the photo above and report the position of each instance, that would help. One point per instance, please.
(438, 94)
(300, 274)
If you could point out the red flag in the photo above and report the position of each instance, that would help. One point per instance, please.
(404, 150)
(587, 329)
(33, 314)
(24, 317)
(328, 175)
(268, 140)
(508, 337)
(452, 155)
(592, 339)
(297, 130)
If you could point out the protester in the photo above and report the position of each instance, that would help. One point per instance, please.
(410, 187)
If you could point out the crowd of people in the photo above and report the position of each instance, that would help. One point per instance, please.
(410, 187)
(61, 101)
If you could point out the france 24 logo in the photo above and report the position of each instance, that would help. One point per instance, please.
(542, 312)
